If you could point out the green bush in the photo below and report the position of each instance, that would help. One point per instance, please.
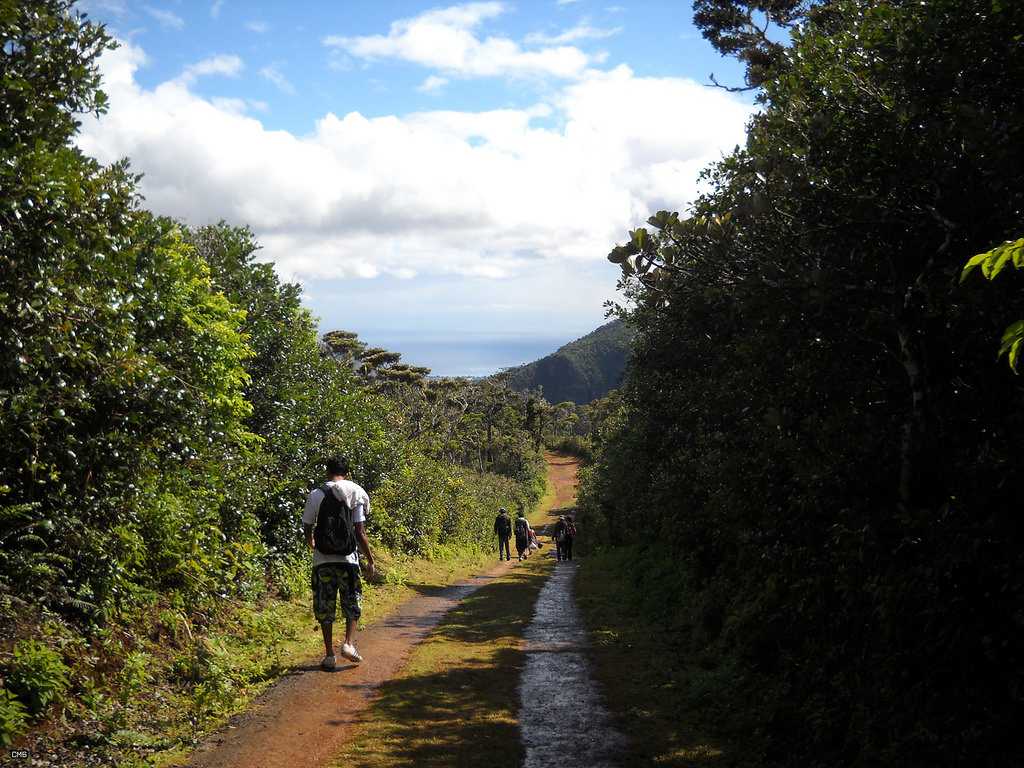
(12, 717)
(574, 445)
(38, 676)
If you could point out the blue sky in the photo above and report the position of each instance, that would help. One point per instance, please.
(443, 179)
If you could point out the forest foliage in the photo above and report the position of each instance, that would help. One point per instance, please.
(166, 403)
(816, 451)
(581, 371)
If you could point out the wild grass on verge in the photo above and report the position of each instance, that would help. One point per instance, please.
(143, 691)
(455, 703)
(665, 703)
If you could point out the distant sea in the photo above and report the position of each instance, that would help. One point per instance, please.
(470, 355)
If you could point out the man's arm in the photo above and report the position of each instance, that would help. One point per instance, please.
(364, 545)
(309, 515)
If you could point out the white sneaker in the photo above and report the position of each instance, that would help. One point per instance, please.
(328, 663)
(349, 652)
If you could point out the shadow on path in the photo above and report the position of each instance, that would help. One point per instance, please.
(455, 705)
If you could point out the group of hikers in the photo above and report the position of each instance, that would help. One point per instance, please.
(563, 533)
(334, 527)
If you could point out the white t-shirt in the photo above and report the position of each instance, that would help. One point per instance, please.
(358, 501)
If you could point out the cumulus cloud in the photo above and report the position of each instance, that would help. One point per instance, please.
(166, 18)
(259, 27)
(215, 8)
(492, 194)
(445, 39)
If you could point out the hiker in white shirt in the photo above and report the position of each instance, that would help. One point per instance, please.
(334, 525)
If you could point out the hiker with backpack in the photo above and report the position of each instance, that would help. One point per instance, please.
(558, 534)
(570, 536)
(522, 530)
(333, 523)
(503, 527)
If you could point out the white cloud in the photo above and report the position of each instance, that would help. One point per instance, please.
(566, 2)
(259, 27)
(118, 8)
(272, 73)
(166, 18)
(445, 39)
(432, 83)
(498, 194)
(582, 31)
(224, 64)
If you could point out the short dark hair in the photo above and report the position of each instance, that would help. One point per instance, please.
(338, 465)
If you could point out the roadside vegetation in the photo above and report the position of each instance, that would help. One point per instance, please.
(165, 405)
(810, 484)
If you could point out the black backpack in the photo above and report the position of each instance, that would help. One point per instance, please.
(335, 533)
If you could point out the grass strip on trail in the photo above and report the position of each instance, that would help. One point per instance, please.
(662, 701)
(456, 701)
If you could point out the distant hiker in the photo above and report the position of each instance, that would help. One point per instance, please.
(503, 527)
(570, 536)
(334, 526)
(558, 534)
(522, 529)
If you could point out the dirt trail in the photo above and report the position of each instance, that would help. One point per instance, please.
(304, 719)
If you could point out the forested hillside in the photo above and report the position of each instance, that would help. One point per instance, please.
(165, 406)
(582, 370)
(814, 468)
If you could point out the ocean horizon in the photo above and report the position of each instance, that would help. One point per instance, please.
(469, 354)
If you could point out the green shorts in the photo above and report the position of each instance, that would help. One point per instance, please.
(328, 580)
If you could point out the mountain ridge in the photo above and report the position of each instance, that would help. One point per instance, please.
(580, 371)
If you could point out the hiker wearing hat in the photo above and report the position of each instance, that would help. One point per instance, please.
(503, 527)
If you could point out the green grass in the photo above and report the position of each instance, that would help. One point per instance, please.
(455, 702)
(664, 702)
(145, 691)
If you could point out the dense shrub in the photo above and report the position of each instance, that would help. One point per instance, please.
(815, 421)
(574, 445)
